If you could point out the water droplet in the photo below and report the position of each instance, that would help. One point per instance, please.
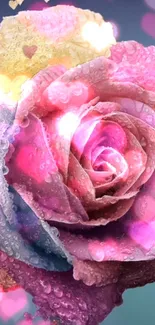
(5, 170)
(25, 122)
(3, 257)
(46, 286)
(58, 292)
(82, 305)
(55, 305)
(126, 251)
(34, 260)
(125, 257)
(66, 304)
(48, 178)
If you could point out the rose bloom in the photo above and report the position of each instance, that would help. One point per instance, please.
(82, 158)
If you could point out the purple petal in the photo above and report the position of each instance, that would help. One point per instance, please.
(59, 296)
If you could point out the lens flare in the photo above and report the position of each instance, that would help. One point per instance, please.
(67, 125)
(98, 36)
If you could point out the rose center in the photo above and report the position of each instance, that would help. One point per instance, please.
(108, 160)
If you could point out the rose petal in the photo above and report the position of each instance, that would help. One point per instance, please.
(130, 275)
(58, 296)
(127, 55)
(79, 182)
(95, 273)
(38, 234)
(83, 133)
(38, 181)
(97, 78)
(107, 107)
(59, 139)
(132, 238)
(146, 136)
(33, 89)
(137, 109)
(56, 292)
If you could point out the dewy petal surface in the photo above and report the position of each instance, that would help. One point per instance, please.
(100, 78)
(39, 181)
(127, 55)
(31, 100)
(36, 170)
(132, 238)
(11, 240)
(60, 297)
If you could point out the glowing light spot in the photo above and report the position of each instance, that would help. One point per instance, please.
(4, 83)
(67, 125)
(96, 250)
(143, 233)
(150, 3)
(148, 24)
(98, 36)
(12, 303)
(116, 29)
(12, 87)
(39, 5)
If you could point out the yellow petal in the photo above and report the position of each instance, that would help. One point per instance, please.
(33, 40)
(5, 84)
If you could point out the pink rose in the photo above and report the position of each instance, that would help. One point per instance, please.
(84, 156)
(83, 160)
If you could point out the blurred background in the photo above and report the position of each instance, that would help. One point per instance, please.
(132, 19)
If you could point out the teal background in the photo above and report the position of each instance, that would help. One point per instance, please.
(138, 308)
(139, 304)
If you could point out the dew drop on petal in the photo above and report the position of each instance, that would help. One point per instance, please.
(96, 251)
(3, 257)
(56, 305)
(5, 170)
(82, 306)
(34, 260)
(25, 122)
(46, 286)
(48, 178)
(58, 293)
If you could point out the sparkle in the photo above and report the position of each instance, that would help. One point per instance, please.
(98, 36)
(67, 125)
